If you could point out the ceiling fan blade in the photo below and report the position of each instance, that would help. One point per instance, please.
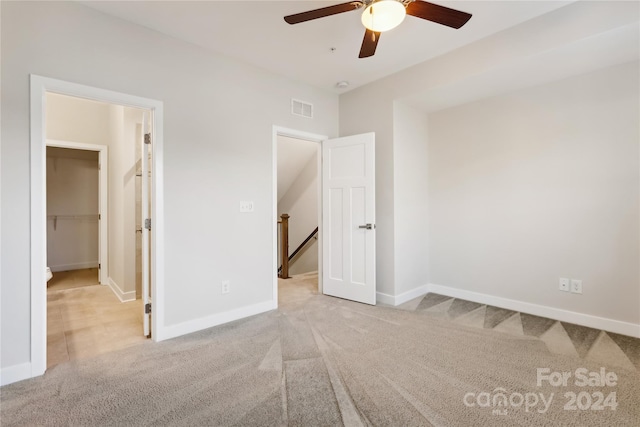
(439, 14)
(322, 12)
(369, 44)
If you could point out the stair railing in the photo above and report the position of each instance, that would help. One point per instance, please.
(283, 271)
(284, 232)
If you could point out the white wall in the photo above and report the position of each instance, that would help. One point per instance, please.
(578, 38)
(379, 119)
(293, 155)
(122, 197)
(77, 120)
(219, 115)
(410, 198)
(132, 123)
(301, 203)
(117, 169)
(72, 209)
(540, 184)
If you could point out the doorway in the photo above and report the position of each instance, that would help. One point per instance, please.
(300, 147)
(298, 189)
(346, 214)
(118, 102)
(73, 217)
(87, 235)
(94, 201)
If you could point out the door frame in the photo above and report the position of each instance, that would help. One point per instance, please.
(103, 199)
(39, 86)
(306, 136)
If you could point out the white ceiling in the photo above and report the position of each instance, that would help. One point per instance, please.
(255, 32)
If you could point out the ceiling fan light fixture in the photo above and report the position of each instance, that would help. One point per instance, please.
(383, 15)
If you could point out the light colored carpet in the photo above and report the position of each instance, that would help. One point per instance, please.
(322, 361)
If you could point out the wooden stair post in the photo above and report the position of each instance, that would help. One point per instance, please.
(285, 245)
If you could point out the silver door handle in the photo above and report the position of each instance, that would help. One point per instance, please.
(367, 226)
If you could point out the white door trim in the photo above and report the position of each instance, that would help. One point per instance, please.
(145, 214)
(39, 86)
(312, 137)
(103, 209)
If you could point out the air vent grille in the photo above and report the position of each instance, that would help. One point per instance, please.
(301, 108)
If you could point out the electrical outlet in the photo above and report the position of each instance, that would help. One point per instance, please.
(576, 286)
(563, 284)
(246, 206)
(226, 285)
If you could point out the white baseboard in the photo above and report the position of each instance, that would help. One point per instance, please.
(616, 326)
(385, 298)
(403, 297)
(15, 373)
(122, 296)
(76, 266)
(195, 325)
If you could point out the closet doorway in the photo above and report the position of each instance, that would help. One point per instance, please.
(41, 89)
(77, 201)
(94, 226)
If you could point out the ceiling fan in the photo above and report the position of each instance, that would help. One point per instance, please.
(383, 15)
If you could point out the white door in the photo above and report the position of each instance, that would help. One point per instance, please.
(146, 224)
(348, 218)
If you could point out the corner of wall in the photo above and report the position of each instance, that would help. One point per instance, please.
(122, 295)
(396, 300)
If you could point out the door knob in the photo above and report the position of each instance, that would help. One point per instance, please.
(367, 226)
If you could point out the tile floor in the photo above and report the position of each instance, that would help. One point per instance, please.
(85, 319)
(73, 279)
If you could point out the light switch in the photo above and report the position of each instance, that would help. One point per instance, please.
(246, 206)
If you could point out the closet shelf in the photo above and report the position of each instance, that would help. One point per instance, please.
(56, 218)
(88, 216)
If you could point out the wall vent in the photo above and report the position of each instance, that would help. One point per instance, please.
(301, 108)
